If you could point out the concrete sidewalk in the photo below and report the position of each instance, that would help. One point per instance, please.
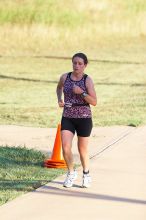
(118, 192)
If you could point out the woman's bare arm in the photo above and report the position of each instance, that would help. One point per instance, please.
(59, 90)
(91, 97)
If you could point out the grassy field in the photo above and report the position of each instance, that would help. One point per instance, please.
(75, 13)
(113, 33)
(21, 171)
(28, 91)
(46, 27)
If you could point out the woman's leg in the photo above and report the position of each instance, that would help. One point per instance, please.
(67, 137)
(84, 156)
(83, 151)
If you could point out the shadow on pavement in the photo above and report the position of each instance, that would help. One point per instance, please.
(73, 193)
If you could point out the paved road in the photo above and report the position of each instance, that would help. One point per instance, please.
(118, 192)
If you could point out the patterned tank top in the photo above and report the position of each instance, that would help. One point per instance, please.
(75, 105)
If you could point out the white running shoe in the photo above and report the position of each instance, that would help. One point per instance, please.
(86, 181)
(69, 181)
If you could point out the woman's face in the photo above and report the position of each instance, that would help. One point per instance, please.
(78, 65)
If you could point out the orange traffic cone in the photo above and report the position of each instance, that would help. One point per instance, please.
(56, 160)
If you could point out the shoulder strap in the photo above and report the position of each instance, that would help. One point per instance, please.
(85, 77)
(69, 74)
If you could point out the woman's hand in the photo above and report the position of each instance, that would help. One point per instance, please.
(61, 103)
(77, 89)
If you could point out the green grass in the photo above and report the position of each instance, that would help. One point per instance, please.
(41, 27)
(44, 12)
(28, 88)
(75, 13)
(22, 171)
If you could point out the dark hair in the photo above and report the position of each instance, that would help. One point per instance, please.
(81, 55)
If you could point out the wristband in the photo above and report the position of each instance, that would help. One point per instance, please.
(84, 94)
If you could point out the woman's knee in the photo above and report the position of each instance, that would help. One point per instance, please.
(83, 152)
(66, 149)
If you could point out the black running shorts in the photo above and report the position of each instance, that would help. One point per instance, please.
(82, 126)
